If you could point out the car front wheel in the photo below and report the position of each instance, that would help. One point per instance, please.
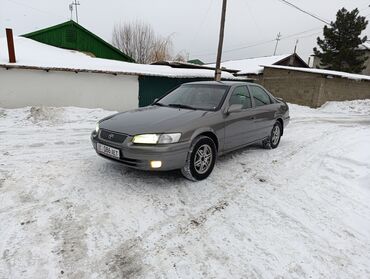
(200, 160)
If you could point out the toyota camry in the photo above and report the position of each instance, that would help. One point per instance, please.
(191, 126)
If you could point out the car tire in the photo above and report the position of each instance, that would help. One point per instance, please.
(200, 160)
(273, 139)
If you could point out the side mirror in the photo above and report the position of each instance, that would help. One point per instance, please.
(155, 100)
(234, 108)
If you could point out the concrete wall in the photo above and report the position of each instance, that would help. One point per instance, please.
(24, 87)
(311, 89)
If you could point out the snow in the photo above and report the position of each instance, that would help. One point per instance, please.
(322, 72)
(251, 65)
(30, 53)
(365, 46)
(299, 211)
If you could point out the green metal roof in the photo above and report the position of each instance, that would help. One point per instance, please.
(71, 35)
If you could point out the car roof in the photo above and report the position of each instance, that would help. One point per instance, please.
(228, 83)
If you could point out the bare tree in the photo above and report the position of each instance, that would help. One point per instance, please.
(134, 39)
(138, 40)
(161, 50)
(181, 57)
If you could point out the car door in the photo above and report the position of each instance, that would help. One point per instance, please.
(239, 126)
(264, 110)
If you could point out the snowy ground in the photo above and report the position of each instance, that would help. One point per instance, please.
(300, 211)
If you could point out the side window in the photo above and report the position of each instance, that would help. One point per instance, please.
(241, 96)
(260, 97)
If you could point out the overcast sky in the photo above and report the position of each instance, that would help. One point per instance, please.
(251, 25)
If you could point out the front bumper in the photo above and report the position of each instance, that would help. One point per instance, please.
(173, 156)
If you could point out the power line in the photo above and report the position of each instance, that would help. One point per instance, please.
(264, 42)
(283, 37)
(33, 8)
(249, 10)
(303, 11)
(204, 18)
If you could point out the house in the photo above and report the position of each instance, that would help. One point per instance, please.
(314, 87)
(364, 48)
(45, 75)
(71, 35)
(253, 67)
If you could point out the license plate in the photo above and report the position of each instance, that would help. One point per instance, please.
(107, 150)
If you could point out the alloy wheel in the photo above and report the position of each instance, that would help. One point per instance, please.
(275, 135)
(203, 159)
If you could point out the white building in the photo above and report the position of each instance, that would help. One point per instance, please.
(48, 76)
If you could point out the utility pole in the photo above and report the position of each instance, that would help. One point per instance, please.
(278, 38)
(74, 3)
(295, 47)
(220, 42)
(71, 10)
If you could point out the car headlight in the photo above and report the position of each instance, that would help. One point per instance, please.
(146, 139)
(156, 138)
(97, 128)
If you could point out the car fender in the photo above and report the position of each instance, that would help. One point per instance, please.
(202, 130)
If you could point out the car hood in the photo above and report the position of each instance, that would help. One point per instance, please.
(151, 119)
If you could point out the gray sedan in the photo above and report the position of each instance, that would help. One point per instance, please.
(190, 126)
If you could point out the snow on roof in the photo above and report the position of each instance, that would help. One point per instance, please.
(322, 72)
(32, 54)
(252, 65)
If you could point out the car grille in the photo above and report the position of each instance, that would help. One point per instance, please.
(112, 136)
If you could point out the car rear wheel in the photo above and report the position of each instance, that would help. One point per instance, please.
(200, 160)
(274, 139)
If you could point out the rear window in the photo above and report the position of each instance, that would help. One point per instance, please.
(260, 97)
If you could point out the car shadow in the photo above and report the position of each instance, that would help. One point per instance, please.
(174, 176)
(146, 176)
(231, 155)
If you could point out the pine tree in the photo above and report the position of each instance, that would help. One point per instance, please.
(341, 41)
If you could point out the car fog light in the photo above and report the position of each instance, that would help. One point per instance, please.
(155, 164)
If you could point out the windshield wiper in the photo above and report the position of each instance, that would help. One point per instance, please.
(181, 106)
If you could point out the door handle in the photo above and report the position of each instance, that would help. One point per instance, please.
(252, 118)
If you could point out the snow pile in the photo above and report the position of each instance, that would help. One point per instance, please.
(47, 114)
(299, 211)
(251, 65)
(31, 53)
(345, 108)
(350, 107)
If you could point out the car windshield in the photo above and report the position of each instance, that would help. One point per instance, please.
(195, 96)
